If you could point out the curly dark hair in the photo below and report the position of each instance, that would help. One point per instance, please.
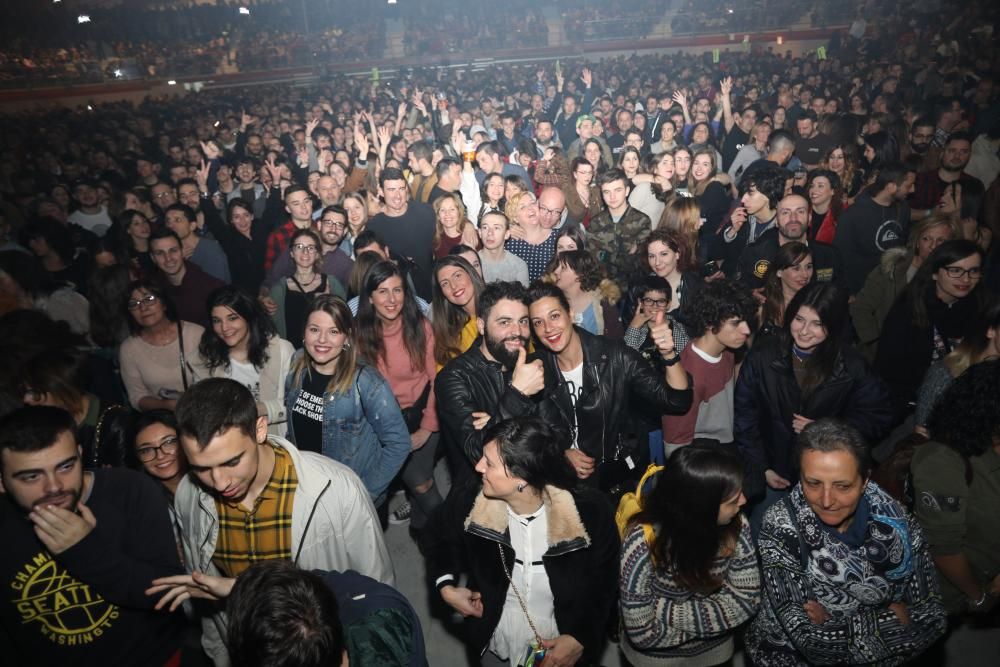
(967, 416)
(715, 303)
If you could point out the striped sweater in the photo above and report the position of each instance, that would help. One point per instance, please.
(666, 624)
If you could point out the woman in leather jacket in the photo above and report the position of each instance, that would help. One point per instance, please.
(801, 374)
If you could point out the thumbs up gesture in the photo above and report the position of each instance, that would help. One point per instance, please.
(529, 379)
(662, 334)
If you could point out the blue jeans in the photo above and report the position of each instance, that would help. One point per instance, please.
(656, 447)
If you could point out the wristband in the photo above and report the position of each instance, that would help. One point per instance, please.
(672, 360)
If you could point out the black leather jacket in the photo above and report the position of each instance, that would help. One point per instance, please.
(472, 383)
(618, 385)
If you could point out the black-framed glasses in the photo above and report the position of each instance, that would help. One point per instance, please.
(136, 304)
(975, 273)
(302, 247)
(654, 303)
(167, 446)
(333, 224)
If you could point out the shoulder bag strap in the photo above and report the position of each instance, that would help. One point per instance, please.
(180, 345)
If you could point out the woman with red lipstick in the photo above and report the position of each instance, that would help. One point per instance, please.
(789, 271)
(803, 373)
(395, 337)
(931, 318)
(243, 345)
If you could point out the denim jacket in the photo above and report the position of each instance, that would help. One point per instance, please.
(363, 429)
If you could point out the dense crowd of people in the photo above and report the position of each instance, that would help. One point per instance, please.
(710, 353)
(45, 42)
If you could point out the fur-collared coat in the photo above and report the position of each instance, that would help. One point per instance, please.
(581, 561)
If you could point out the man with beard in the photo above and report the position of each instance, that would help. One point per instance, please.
(919, 144)
(80, 549)
(491, 381)
(941, 189)
(595, 388)
(792, 223)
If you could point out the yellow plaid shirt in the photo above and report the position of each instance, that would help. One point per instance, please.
(263, 533)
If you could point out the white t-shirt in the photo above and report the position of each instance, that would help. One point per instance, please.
(247, 375)
(97, 223)
(574, 383)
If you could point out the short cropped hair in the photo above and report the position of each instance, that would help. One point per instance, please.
(33, 428)
(212, 407)
(834, 435)
(281, 616)
(494, 292)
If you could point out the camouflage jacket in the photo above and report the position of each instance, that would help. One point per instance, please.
(615, 245)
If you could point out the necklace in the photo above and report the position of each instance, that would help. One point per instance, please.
(305, 281)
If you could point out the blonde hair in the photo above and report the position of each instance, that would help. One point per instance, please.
(514, 204)
(347, 363)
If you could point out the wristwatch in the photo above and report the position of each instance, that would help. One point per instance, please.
(672, 360)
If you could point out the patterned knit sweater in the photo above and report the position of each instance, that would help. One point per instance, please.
(803, 561)
(667, 624)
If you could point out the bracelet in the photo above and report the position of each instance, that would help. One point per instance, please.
(672, 360)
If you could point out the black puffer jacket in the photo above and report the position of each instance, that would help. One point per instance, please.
(472, 383)
(767, 397)
(618, 386)
(581, 561)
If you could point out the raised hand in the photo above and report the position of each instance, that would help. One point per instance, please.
(587, 76)
(246, 120)
(202, 176)
(529, 379)
(310, 126)
(210, 149)
(726, 85)
(384, 135)
(274, 171)
(662, 334)
(680, 98)
(361, 141)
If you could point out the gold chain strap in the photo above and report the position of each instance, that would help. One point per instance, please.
(524, 607)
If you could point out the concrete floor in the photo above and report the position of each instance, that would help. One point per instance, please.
(966, 647)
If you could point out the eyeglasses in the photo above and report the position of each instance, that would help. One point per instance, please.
(162, 195)
(302, 247)
(550, 211)
(333, 224)
(654, 303)
(975, 273)
(136, 304)
(167, 446)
